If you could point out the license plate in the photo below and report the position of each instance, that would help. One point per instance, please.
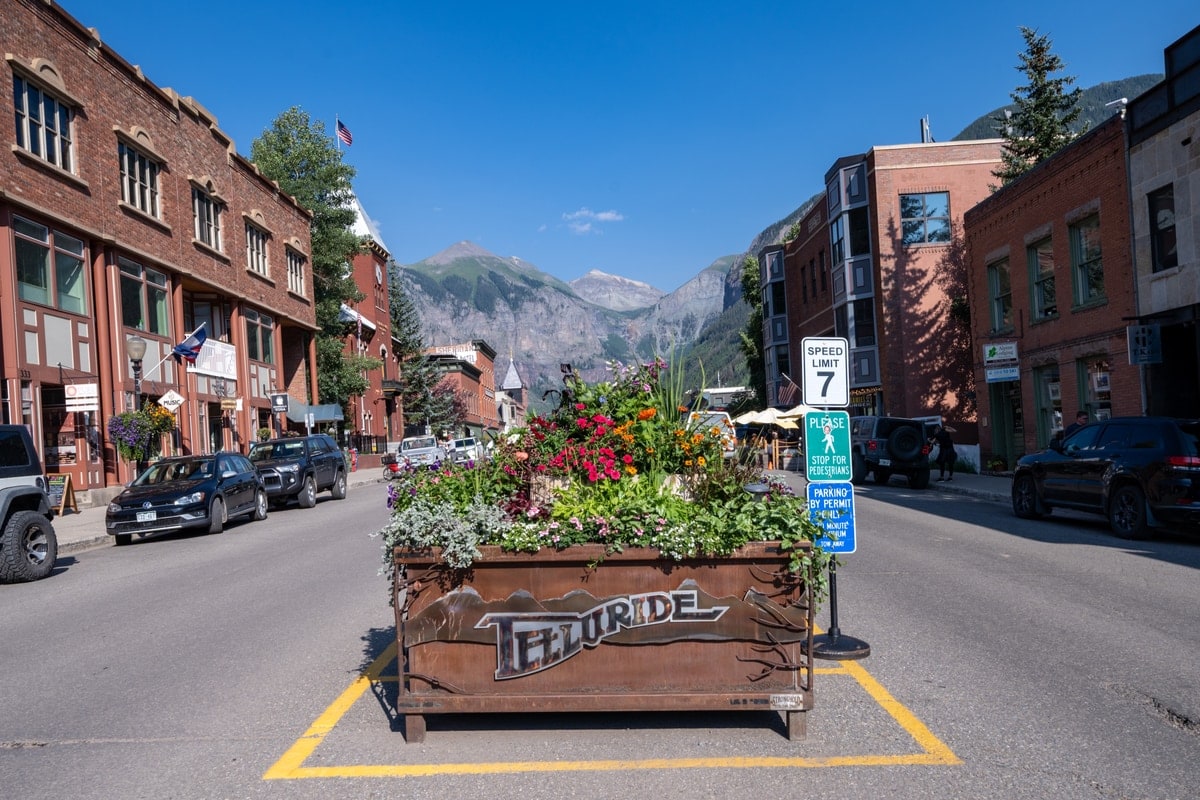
(147, 516)
(885, 462)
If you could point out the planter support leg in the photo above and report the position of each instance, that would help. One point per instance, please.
(797, 725)
(414, 728)
(833, 646)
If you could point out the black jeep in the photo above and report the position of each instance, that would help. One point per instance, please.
(299, 467)
(887, 446)
(28, 546)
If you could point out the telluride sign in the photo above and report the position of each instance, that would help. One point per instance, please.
(584, 629)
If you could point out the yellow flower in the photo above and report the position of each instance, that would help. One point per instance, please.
(701, 461)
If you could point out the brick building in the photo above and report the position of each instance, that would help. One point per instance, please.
(866, 258)
(1050, 276)
(470, 368)
(125, 212)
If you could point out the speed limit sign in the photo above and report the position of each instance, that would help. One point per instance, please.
(826, 371)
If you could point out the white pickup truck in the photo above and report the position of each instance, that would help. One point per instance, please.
(422, 451)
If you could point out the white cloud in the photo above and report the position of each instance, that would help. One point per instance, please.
(581, 222)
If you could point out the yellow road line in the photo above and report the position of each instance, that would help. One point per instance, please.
(291, 764)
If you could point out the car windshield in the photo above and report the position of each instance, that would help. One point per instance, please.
(169, 471)
(273, 450)
(417, 444)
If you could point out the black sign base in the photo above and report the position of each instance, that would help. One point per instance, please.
(833, 647)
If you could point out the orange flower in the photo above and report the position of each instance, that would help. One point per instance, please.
(647, 413)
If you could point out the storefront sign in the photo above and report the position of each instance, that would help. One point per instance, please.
(171, 401)
(218, 359)
(1003, 374)
(1145, 344)
(999, 351)
(82, 396)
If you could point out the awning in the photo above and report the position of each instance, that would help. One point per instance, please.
(329, 412)
(348, 314)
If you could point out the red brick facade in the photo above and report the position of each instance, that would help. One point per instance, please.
(1071, 354)
(64, 328)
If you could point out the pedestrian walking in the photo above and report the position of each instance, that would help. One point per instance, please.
(946, 455)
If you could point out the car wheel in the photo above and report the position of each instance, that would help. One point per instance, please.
(1127, 513)
(338, 490)
(260, 505)
(1024, 497)
(308, 494)
(919, 479)
(217, 516)
(858, 468)
(28, 548)
(123, 539)
(904, 444)
(882, 475)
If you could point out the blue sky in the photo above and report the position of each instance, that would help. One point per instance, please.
(645, 139)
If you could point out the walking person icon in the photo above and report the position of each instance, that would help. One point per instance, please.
(828, 438)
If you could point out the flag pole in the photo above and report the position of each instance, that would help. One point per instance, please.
(336, 135)
(172, 353)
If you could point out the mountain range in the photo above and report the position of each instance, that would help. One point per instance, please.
(466, 292)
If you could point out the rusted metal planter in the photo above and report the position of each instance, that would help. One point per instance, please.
(576, 630)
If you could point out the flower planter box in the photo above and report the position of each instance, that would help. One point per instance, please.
(576, 630)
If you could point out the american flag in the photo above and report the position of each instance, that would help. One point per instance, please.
(787, 391)
(344, 134)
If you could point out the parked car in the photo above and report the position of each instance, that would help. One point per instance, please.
(467, 449)
(1140, 472)
(887, 446)
(299, 467)
(28, 546)
(187, 493)
(422, 451)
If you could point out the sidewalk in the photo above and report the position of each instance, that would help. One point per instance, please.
(84, 529)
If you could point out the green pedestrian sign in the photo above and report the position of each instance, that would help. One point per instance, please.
(827, 446)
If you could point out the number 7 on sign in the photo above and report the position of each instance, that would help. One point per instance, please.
(826, 371)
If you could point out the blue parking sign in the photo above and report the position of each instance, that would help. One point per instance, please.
(831, 505)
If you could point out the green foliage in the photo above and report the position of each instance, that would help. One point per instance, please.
(751, 338)
(486, 295)
(458, 287)
(1045, 110)
(615, 347)
(296, 153)
(616, 464)
(137, 434)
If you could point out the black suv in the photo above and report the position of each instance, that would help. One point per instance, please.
(299, 467)
(887, 446)
(28, 546)
(1140, 472)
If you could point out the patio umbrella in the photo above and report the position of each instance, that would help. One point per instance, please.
(798, 411)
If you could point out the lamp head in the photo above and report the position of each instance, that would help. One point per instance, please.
(135, 347)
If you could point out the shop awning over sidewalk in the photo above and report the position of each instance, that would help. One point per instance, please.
(328, 412)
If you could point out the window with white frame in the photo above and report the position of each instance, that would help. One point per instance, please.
(144, 294)
(1044, 301)
(207, 214)
(1000, 295)
(295, 269)
(139, 179)
(1085, 258)
(256, 249)
(260, 330)
(43, 124)
(925, 218)
(50, 266)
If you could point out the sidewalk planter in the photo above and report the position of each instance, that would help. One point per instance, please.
(578, 630)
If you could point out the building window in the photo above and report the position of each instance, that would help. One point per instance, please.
(1095, 387)
(925, 218)
(778, 299)
(207, 214)
(295, 268)
(1162, 229)
(864, 322)
(824, 278)
(837, 239)
(860, 232)
(1048, 399)
(1085, 255)
(256, 249)
(804, 283)
(260, 330)
(139, 180)
(783, 364)
(1041, 273)
(50, 267)
(43, 124)
(1000, 295)
(144, 299)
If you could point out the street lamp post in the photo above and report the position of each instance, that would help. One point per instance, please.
(135, 348)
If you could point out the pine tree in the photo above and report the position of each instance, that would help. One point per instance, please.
(418, 375)
(752, 336)
(1040, 124)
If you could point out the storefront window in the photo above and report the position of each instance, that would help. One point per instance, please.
(1048, 397)
(1095, 387)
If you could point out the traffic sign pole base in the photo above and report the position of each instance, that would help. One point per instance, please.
(834, 647)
